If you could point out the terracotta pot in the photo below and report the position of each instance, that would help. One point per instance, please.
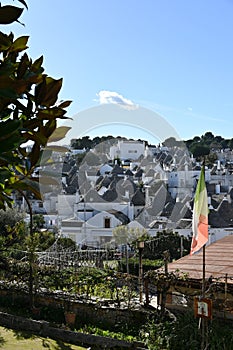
(70, 318)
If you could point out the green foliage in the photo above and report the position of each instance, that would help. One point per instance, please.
(125, 235)
(38, 221)
(199, 150)
(42, 240)
(82, 143)
(211, 159)
(163, 281)
(15, 234)
(85, 142)
(172, 142)
(89, 329)
(184, 334)
(8, 219)
(166, 241)
(65, 242)
(157, 335)
(79, 158)
(133, 264)
(207, 145)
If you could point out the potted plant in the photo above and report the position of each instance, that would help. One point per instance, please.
(70, 315)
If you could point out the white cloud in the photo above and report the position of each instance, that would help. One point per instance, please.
(112, 97)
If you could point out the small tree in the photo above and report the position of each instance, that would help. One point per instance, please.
(167, 240)
(123, 235)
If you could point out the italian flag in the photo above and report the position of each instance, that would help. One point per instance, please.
(200, 215)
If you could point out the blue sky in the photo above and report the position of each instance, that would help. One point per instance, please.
(173, 57)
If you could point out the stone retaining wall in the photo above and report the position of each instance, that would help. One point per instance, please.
(87, 312)
(43, 329)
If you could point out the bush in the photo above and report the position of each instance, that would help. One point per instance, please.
(184, 334)
(134, 265)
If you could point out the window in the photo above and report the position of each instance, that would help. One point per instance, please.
(106, 222)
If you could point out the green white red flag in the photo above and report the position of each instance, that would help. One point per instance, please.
(200, 215)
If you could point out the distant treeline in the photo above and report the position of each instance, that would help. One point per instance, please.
(199, 146)
(87, 143)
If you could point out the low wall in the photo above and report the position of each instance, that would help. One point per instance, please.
(43, 329)
(104, 315)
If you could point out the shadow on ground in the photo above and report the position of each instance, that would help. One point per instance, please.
(46, 343)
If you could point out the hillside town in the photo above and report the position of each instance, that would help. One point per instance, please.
(116, 242)
(129, 183)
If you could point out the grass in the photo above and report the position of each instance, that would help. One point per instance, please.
(10, 339)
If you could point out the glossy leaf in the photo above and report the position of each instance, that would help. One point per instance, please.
(26, 184)
(53, 87)
(36, 136)
(4, 174)
(12, 88)
(23, 66)
(9, 14)
(5, 41)
(37, 65)
(51, 113)
(19, 44)
(7, 70)
(5, 201)
(8, 93)
(24, 3)
(9, 157)
(54, 148)
(9, 127)
(35, 78)
(31, 124)
(10, 144)
(34, 155)
(45, 155)
(65, 104)
(20, 170)
(59, 133)
(40, 92)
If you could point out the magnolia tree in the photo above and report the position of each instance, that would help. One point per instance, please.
(29, 110)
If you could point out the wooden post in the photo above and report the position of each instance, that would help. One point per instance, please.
(147, 291)
(140, 274)
(181, 246)
(203, 321)
(164, 291)
(225, 301)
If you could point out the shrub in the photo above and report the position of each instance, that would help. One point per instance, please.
(134, 265)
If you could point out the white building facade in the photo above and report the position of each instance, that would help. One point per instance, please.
(127, 150)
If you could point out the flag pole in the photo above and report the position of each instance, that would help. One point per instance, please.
(199, 240)
(204, 324)
(203, 271)
(203, 253)
(203, 320)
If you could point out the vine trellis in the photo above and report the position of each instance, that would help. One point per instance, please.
(66, 257)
